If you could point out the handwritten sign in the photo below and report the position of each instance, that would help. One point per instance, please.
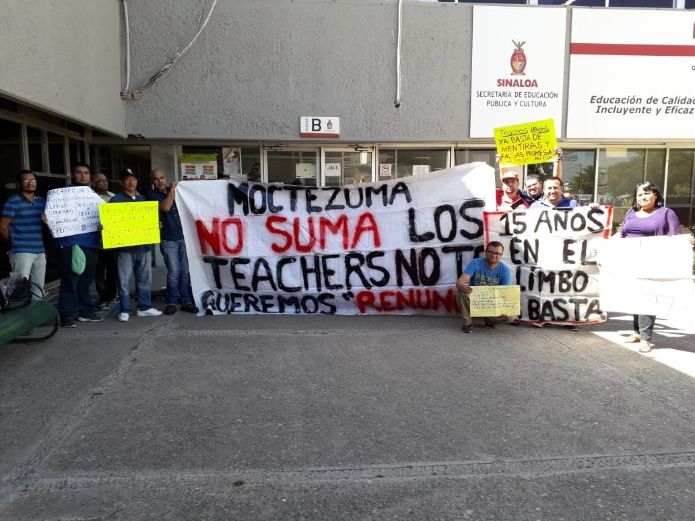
(392, 247)
(647, 276)
(72, 210)
(493, 301)
(553, 255)
(527, 143)
(129, 224)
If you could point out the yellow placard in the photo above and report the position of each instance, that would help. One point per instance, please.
(527, 143)
(129, 224)
(493, 301)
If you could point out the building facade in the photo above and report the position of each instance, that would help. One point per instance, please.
(408, 87)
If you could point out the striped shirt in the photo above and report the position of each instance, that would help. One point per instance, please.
(26, 228)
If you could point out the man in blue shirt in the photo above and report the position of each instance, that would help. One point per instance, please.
(74, 298)
(552, 195)
(484, 271)
(133, 260)
(173, 247)
(21, 226)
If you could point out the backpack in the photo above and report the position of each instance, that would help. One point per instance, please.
(15, 292)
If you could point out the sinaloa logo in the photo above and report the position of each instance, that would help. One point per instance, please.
(518, 59)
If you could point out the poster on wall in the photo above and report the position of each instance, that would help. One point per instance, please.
(632, 74)
(517, 67)
(231, 160)
(199, 166)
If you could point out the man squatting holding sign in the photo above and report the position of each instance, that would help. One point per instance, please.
(482, 271)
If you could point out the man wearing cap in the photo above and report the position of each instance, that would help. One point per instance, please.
(133, 260)
(508, 197)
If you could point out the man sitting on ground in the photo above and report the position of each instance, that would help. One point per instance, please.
(483, 271)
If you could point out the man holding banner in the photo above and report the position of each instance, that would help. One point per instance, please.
(133, 260)
(552, 195)
(173, 247)
(486, 271)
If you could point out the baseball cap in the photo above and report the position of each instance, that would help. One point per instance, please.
(510, 174)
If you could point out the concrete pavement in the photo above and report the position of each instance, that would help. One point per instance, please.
(278, 417)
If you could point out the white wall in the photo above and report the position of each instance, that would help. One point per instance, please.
(64, 56)
(262, 64)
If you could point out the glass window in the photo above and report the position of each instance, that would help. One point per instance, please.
(690, 4)
(681, 192)
(342, 168)
(580, 3)
(621, 169)
(75, 151)
(249, 157)
(293, 166)
(35, 155)
(56, 153)
(403, 162)
(578, 174)
(492, 2)
(10, 154)
(640, 3)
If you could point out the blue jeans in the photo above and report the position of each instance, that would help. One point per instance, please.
(33, 267)
(643, 325)
(178, 276)
(138, 264)
(74, 297)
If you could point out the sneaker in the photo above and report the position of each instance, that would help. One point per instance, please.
(170, 309)
(572, 327)
(68, 322)
(151, 312)
(467, 329)
(189, 308)
(89, 318)
(632, 339)
(490, 323)
(123, 317)
(645, 346)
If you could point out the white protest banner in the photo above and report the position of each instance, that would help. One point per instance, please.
(516, 72)
(72, 210)
(390, 247)
(619, 59)
(648, 276)
(553, 255)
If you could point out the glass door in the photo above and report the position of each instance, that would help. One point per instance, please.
(347, 166)
(293, 166)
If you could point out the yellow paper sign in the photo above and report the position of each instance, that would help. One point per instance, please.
(527, 143)
(493, 301)
(129, 224)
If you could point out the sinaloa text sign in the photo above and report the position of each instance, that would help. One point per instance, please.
(517, 72)
(619, 60)
(374, 248)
